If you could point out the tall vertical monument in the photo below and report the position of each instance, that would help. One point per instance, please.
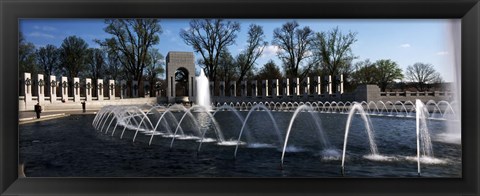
(180, 76)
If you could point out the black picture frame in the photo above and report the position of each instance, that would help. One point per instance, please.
(467, 10)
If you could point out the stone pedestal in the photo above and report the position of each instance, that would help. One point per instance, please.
(135, 89)
(329, 84)
(296, 87)
(254, 89)
(41, 88)
(100, 89)
(64, 89)
(275, 89)
(265, 88)
(88, 88)
(27, 79)
(123, 89)
(222, 88)
(341, 84)
(111, 89)
(53, 89)
(76, 89)
(233, 88)
(286, 87)
(368, 93)
(243, 88)
(306, 87)
(318, 82)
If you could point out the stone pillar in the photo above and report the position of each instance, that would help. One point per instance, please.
(123, 89)
(243, 88)
(76, 89)
(212, 88)
(53, 89)
(326, 83)
(171, 88)
(341, 83)
(135, 89)
(254, 88)
(329, 84)
(275, 88)
(265, 88)
(222, 88)
(64, 88)
(192, 88)
(88, 89)
(41, 88)
(306, 87)
(28, 87)
(286, 87)
(296, 86)
(111, 89)
(318, 82)
(100, 89)
(233, 88)
(146, 89)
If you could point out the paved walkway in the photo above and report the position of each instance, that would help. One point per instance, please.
(30, 116)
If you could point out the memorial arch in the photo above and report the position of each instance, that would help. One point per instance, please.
(180, 78)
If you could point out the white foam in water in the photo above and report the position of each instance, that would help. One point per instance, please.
(188, 137)
(260, 145)
(172, 135)
(207, 140)
(331, 154)
(427, 160)
(450, 138)
(155, 133)
(230, 143)
(378, 157)
(294, 149)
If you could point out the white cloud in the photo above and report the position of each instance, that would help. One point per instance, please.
(38, 34)
(167, 32)
(442, 53)
(44, 28)
(406, 45)
(270, 51)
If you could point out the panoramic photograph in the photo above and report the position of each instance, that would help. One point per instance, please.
(268, 98)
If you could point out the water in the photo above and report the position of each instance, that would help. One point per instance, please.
(203, 91)
(61, 147)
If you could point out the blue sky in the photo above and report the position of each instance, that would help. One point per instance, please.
(404, 41)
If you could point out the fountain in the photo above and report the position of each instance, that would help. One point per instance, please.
(267, 127)
(201, 125)
(203, 91)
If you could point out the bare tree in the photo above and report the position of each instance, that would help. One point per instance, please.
(115, 69)
(26, 56)
(154, 68)
(333, 51)
(48, 59)
(210, 37)
(131, 40)
(96, 64)
(422, 75)
(255, 45)
(227, 71)
(295, 45)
